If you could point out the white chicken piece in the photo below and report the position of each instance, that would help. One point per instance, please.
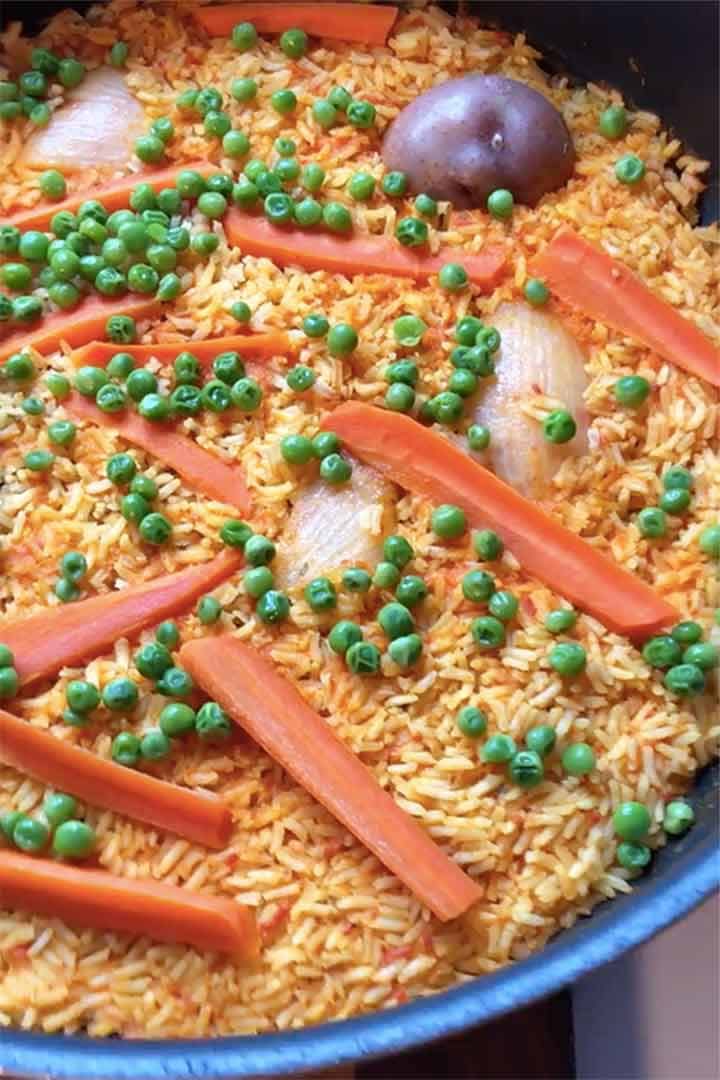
(537, 356)
(330, 527)
(97, 125)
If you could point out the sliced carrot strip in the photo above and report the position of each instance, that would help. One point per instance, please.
(199, 468)
(43, 643)
(102, 901)
(368, 24)
(103, 783)
(424, 462)
(76, 327)
(588, 278)
(272, 343)
(270, 709)
(354, 254)
(115, 195)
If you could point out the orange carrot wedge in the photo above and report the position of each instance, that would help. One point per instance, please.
(115, 195)
(199, 468)
(42, 644)
(270, 709)
(354, 254)
(76, 327)
(424, 462)
(36, 753)
(99, 900)
(262, 346)
(584, 276)
(368, 24)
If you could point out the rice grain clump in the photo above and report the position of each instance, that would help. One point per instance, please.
(340, 934)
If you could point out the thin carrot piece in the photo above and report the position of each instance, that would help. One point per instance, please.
(99, 782)
(76, 327)
(262, 346)
(368, 24)
(424, 462)
(354, 254)
(56, 637)
(199, 468)
(115, 195)
(270, 709)
(142, 907)
(606, 290)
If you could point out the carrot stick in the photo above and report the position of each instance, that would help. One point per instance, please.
(42, 644)
(606, 290)
(76, 327)
(199, 468)
(424, 462)
(368, 24)
(272, 343)
(103, 783)
(270, 709)
(102, 901)
(115, 195)
(354, 254)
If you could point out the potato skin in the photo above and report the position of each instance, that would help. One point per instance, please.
(467, 137)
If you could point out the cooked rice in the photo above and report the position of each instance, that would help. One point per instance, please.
(341, 935)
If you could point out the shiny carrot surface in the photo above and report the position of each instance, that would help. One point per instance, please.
(367, 24)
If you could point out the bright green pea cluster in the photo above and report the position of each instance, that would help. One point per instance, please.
(59, 827)
(27, 97)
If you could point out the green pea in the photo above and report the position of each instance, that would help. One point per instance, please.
(212, 723)
(73, 565)
(149, 148)
(337, 218)
(227, 366)
(10, 238)
(247, 395)
(448, 522)
(81, 696)
(568, 659)
(58, 385)
(118, 54)
(464, 383)
(64, 294)
(121, 468)
(340, 98)
(296, 449)
(488, 545)
(560, 620)
(142, 278)
(26, 309)
(167, 634)
(161, 257)
(709, 541)
(498, 749)
(386, 576)
(39, 461)
(399, 397)
(478, 435)
(169, 200)
(536, 292)
(6, 656)
(61, 432)
(651, 522)
(258, 581)
(629, 169)
(405, 651)
(126, 749)
(177, 719)
(31, 835)
(343, 635)
(283, 101)
(66, 591)
(110, 282)
(33, 83)
(411, 232)
(363, 658)
(503, 605)
(335, 470)
(426, 206)
(153, 660)
(361, 186)
(541, 739)
(259, 550)
(190, 183)
(559, 426)
(312, 177)
(402, 371)
(175, 682)
(500, 204)
(478, 586)
(613, 122)
(58, 807)
(395, 184)
(111, 398)
(320, 594)
(703, 654)
(361, 114)
(153, 406)
(243, 90)
(578, 759)
(677, 477)
(397, 550)
(675, 501)
(324, 113)
(235, 533)
(71, 72)
(325, 443)
(186, 400)
(411, 590)
(396, 620)
(526, 769)
(447, 407)
(356, 580)
(632, 390)
(209, 610)
(244, 36)
(687, 633)
(294, 43)
(74, 840)
(8, 821)
(471, 721)
(662, 651)
(120, 365)
(679, 817)
(209, 99)
(19, 368)
(9, 683)
(408, 330)
(16, 276)
(120, 695)
(145, 486)
(633, 856)
(452, 277)
(488, 632)
(134, 508)
(204, 243)
(315, 326)
(33, 406)
(155, 528)
(33, 246)
(45, 61)
(631, 821)
(154, 745)
(273, 607)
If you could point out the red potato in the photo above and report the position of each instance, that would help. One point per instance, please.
(467, 137)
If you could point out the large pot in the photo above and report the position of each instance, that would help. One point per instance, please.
(663, 58)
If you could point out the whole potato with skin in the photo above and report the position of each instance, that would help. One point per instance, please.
(467, 137)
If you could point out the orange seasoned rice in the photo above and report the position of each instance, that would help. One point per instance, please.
(341, 936)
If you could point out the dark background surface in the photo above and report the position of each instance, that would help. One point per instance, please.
(664, 57)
